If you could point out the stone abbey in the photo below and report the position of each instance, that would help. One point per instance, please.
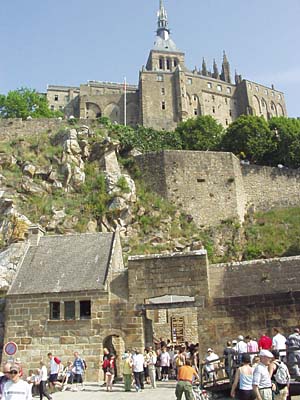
(168, 92)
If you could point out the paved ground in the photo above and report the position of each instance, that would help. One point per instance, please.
(164, 391)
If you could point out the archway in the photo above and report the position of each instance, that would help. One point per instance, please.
(112, 111)
(256, 106)
(116, 345)
(92, 110)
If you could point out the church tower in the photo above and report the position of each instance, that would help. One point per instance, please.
(164, 55)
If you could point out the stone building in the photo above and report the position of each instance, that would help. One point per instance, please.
(168, 92)
(73, 293)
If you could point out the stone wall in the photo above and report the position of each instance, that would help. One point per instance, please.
(16, 127)
(213, 186)
(207, 185)
(268, 187)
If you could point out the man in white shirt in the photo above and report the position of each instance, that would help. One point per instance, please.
(262, 385)
(278, 343)
(138, 370)
(211, 363)
(165, 364)
(16, 388)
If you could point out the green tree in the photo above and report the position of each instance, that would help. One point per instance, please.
(201, 133)
(287, 141)
(23, 103)
(250, 136)
(148, 139)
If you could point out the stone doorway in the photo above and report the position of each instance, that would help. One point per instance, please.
(116, 345)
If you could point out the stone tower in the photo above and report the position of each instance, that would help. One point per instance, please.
(225, 75)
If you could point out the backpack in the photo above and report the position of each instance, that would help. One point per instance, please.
(57, 360)
(282, 375)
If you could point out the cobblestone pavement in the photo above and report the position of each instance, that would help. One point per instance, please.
(93, 391)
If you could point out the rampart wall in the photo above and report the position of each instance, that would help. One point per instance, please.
(16, 127)
(213, 186)
(268, 187)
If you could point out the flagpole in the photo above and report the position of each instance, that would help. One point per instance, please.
(125, 101)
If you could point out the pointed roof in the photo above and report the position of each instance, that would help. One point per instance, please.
(163, 42)
(65, 264)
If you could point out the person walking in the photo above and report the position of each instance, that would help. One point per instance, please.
(127, 370)
(5, 377)
(151, 368)
(43, 377)
(138, 370)
(16, 388)
(243, 380)
(110, 373)
(262, 385)
(186, 375)
(280, 376)
(78, 370)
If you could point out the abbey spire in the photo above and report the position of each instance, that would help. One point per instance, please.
(163, 40)
(162, 22)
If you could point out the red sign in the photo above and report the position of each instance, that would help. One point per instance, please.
(10, 348)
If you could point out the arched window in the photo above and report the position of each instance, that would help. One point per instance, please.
(161, 63)
(168, 65)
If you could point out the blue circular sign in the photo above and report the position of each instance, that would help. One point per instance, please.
(10, 348)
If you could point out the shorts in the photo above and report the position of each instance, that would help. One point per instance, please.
(53, 377)
(165, 370)
(77, 378)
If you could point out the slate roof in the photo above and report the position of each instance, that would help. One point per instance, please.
(65, 264)
(161, 44)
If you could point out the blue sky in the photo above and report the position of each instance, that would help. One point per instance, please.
(69, 42)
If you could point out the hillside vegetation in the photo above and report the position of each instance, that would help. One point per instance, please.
(58, 181)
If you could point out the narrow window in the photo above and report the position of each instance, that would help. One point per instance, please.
(52, 108)
(175, 63)
(161, 63)
(219, 87)
(195, 111)
(257, 88)
(213, 98)
(226, 100)
(168, 64)
(163, 91)
(195, 98)
(159, 78)
(228, 90)
(69, 310)
(85, 309)
(230, 113)
(55, 310)
(226, 122)
(189, 81)
(209, 85)
(56, 97)
(213, 110)
(163, 105)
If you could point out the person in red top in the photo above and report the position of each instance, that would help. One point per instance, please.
(185, 379)
(265, 342)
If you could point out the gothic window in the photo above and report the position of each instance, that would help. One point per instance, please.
(161, 63)
(85, 309)
(230, 113)
(159, 78)
(209, 85)
(195, 111)
(228, 90)
(219, 87)
(55, 310)
(257, 88)
(69, 310)
(213, 110)
(168, 64)
(175, 62)
(163, 105)
(195, 98)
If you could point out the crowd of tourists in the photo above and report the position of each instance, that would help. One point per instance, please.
(257, 368)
